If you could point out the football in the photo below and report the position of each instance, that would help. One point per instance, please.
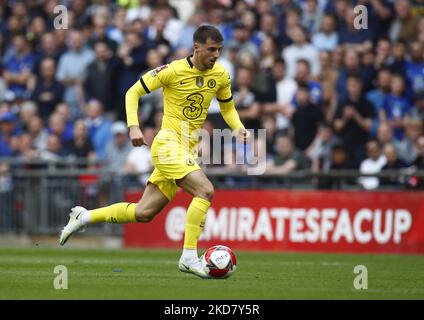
(219, 261)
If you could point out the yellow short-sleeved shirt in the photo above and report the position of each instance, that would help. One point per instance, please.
(187, 94)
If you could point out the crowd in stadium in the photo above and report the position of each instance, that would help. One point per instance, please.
(329, 94)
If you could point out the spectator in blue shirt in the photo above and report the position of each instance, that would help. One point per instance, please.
(18, 66)
(303, 77)
(99, 128)
(415, 69)
(378, 96)
(327, 38)
(396, 106)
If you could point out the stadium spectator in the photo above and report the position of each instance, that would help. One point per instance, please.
(57, 127)
(319, 152)
(117, 150)
(417, 111)
(418, 163)
(396, 106)
(26, 150)
(100, 82)
(268, 29)
(327, 38)
(382, 53)
(80, 147)
(398, 59)
(372, 165)
(353, 38)
(72, 68)
(283, 91)
(393, 163)
(245, 99)
(38, 132)
(287, 158)
(311, 16)
(99, 33)
(340, 160)
(46, 91)
(327, 78)
(352, 65)
(289, 22)
(305, 119)
(303, 78)
(48, 48)
(268, 54)
(99, 127)
(269, 123)
(241, 40)
(405, 24)
(18, 66)
(300, 49)
(132, 54)
(9, 128)
(414, 69)
(36, 29)
(54, 151)
(385, 135)
(185, 37)
(408, 146)
(378, 96)
(139, 160)
(353, 120)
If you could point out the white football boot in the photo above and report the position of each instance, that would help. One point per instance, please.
(194, 268)
(74, 224)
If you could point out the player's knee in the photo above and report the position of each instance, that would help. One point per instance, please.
(143, 215)
(207, 192)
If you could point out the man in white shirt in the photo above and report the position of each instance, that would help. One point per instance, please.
(373, 164)
(300, 49)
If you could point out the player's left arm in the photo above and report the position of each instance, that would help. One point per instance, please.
(228, 109)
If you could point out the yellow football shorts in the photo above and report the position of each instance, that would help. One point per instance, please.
(172, 162)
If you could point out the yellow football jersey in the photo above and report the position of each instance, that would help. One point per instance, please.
(187, 93)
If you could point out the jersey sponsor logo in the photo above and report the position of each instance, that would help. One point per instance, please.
(199, 82)
(194, 110)
(211, 83)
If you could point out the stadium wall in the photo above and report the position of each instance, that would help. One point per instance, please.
(280, 220)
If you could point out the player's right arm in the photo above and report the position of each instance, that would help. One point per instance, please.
(149, 82)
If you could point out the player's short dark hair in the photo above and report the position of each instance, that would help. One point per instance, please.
(206, 32)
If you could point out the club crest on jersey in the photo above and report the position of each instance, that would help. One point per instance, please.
(211, 83)
(190, 162)
(199, 82)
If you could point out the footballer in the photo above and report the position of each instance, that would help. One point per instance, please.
(188, 87)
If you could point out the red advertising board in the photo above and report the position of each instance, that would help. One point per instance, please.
(280, 220)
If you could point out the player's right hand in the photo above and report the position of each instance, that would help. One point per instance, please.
(136, 136)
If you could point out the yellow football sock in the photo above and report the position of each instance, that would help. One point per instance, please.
(121, 212)
(195, 222)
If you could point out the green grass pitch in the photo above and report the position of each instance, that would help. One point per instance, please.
(28, 273)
